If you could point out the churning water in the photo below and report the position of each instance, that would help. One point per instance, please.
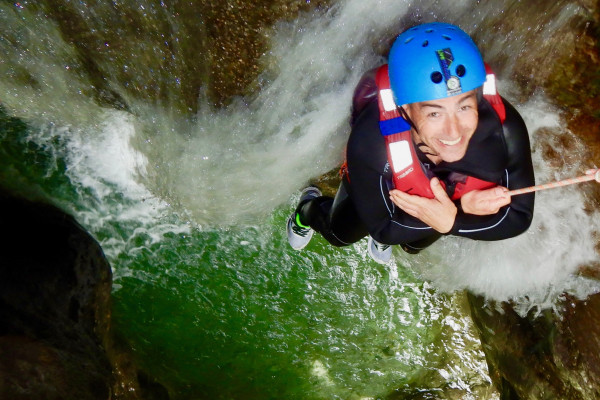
(191, 214)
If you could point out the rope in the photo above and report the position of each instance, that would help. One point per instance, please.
(589, 176)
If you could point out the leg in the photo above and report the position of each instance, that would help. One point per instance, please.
(335, 219)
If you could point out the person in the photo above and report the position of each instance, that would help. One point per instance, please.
(433, 151)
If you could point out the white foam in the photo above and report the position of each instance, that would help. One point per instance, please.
(103, 168)
(236, 164)
(239, 163)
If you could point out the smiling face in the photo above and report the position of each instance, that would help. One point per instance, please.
(445, 126)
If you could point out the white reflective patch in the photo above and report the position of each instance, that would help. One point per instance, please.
(401, 157)
(489, 86)
(387, 97)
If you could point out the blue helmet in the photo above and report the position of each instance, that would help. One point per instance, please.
(433, 61)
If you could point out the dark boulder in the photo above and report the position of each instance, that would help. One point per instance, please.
(55, 289)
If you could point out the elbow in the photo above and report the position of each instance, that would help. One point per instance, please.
(523, 223)
(526, 223)
(520, 225)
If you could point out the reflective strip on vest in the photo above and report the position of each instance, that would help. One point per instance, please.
(387, 98)
(489, 86)
(401, 157)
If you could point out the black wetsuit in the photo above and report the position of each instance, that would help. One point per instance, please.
(496, 153)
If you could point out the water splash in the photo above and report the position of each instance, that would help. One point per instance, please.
(229, 165)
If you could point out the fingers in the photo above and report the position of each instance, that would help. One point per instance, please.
(501, 191)
(438, 190)
(485, 202)
(595, 172)
(496, 204)
(408, 203)
(439, 213)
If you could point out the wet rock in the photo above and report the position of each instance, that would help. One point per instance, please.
(211, 48)
(549, 356)
(54, 306)
(55, 336)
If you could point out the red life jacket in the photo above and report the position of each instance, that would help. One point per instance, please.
(409, 175)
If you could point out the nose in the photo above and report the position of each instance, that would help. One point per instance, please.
(453, 128)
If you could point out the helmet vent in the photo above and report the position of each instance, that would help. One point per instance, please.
(425, 43)
(446, 37)
(461, 70)
(436, 77)
(407, 41)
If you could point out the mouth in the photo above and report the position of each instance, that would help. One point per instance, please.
(450, 142)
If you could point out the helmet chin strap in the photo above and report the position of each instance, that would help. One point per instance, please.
(422, 146)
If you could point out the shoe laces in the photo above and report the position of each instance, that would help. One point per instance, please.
(300, 231)
(380, 246)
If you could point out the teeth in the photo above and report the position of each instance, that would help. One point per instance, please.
(450, 142)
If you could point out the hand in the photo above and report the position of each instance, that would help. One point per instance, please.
(439, 212)
(485, 202)
(595, 172)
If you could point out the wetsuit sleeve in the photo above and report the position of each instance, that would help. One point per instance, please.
(368, 187)
(515, 218)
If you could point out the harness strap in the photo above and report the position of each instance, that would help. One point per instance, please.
(390, 121)
(407, 172)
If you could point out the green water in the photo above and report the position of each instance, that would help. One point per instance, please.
(236, 314)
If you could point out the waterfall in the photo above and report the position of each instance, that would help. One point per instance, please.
(189, 201)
